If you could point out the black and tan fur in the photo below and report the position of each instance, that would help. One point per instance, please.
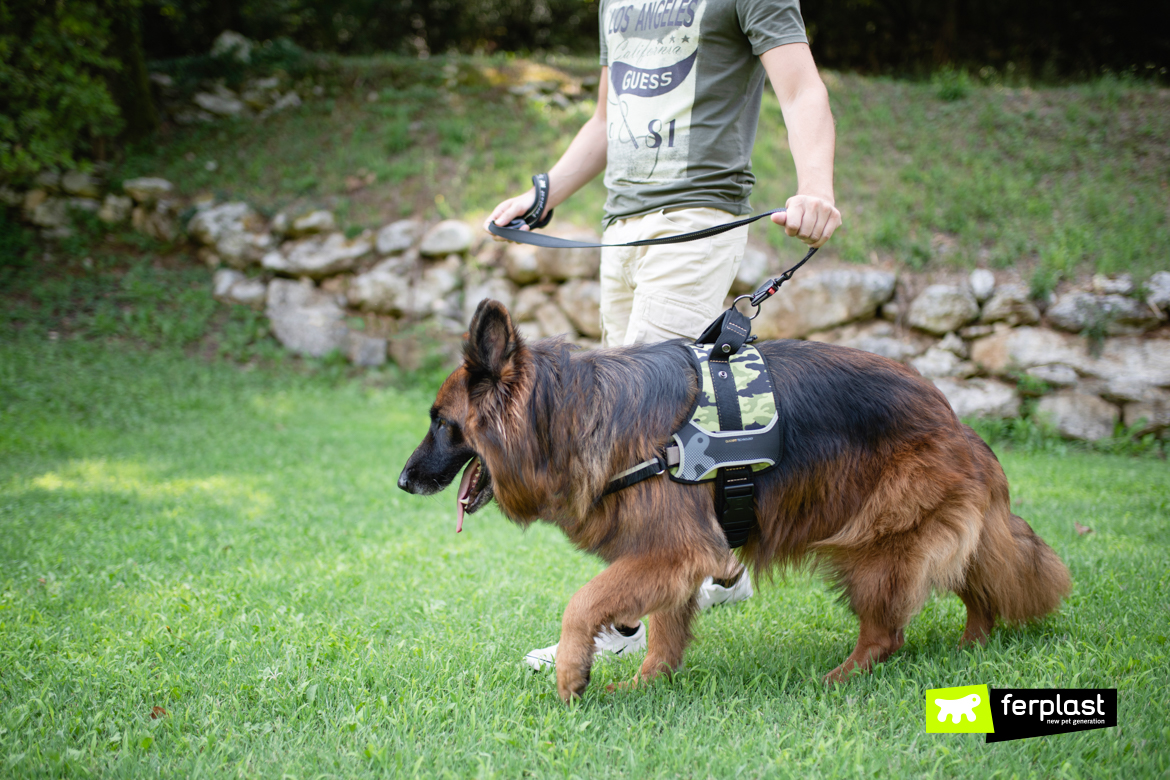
(879, 484)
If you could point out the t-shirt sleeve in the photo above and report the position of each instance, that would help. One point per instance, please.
(769, 23)
(601, 36)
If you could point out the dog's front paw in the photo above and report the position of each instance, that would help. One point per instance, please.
(572, 681)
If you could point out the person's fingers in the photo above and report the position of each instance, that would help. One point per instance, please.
(817, 229)
(795, 218)
(780, 219)
(831, 226)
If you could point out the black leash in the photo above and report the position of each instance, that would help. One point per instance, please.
(533, 220)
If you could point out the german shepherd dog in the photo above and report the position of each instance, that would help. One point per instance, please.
(879, 484)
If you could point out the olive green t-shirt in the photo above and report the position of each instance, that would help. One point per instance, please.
(685, 85)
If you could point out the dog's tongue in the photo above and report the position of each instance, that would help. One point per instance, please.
(464, 492)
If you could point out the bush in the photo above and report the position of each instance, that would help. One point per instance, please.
(57, 105)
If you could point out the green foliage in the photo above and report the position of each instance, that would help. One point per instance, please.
(230, 546)
(53, 94)
(951, 84)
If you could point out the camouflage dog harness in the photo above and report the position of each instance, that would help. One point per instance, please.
(733, 432)
(705, 446)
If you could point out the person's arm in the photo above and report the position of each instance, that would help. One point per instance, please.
(812, 214)
(581, 162)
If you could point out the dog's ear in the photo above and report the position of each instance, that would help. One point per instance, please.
(492, 341)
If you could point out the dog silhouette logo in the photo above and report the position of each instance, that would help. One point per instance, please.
(962, 710)
(958, 709)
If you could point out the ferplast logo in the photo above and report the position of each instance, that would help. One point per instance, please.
(1019, 713)
(962, 710)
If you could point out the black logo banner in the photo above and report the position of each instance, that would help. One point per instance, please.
(1019, 713)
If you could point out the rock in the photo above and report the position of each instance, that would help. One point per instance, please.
(10, 197)
(232, 231)
(1152, 416)
(1117, 315)
(982, 284)
(231, 286)
(426, 343)
(1012, 304)
(561, 264)
(363, 350)
(955, 345)
(222, 102)
(890, 311)
(115, 209)
(450, 236)
(289, 99)
(385, 288)
(304, 319)
(398, 236)
(976, 331)
(520, 263)
(90, 205)
(1158, 287)
(880, 338)
(431, 293)
(753, 268)
(48, 180)
(1018, 349)
(530, 331)
(553, 321)
(1056, 374)
(147, 190)
(936, 363)
(232, 44)
(1122, 284)
(1078, 415)
(528, 300)
(156, 221)
(280, 224)
(823, 300)
(580, 300)
(83, 185)
(319, 256)
(985, 398)
(496, 288)
(942, 308)
(48, 213)
(314, 222)
(1126, 389)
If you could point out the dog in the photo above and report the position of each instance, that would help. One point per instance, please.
(879, 485)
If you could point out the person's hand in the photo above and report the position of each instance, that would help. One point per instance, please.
(810, 218)
(509, 210)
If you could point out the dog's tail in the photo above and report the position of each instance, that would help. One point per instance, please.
(1014, 575)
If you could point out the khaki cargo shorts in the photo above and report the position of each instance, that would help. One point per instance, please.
(654, 293)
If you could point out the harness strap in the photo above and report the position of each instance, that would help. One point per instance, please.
(735, 486)
(644, 470)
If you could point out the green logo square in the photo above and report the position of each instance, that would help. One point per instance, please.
(962, 710)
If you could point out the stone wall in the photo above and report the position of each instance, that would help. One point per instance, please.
(1092, 356)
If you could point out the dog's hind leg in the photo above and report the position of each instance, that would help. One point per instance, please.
(875, 644)
(622, 594)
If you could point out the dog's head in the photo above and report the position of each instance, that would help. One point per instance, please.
(471, 401)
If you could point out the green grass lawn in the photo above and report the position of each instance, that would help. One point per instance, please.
(1056, 181)
(230, 546)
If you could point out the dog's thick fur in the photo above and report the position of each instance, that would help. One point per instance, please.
(879, 483)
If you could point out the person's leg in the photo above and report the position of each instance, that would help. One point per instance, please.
(617, 291)
(680, 288)
(653, 294)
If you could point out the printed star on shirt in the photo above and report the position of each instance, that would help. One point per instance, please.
(686, 39)
(672, 39)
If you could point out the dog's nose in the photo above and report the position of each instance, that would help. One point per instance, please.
(404, 483)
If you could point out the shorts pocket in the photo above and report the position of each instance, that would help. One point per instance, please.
(682, 317)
